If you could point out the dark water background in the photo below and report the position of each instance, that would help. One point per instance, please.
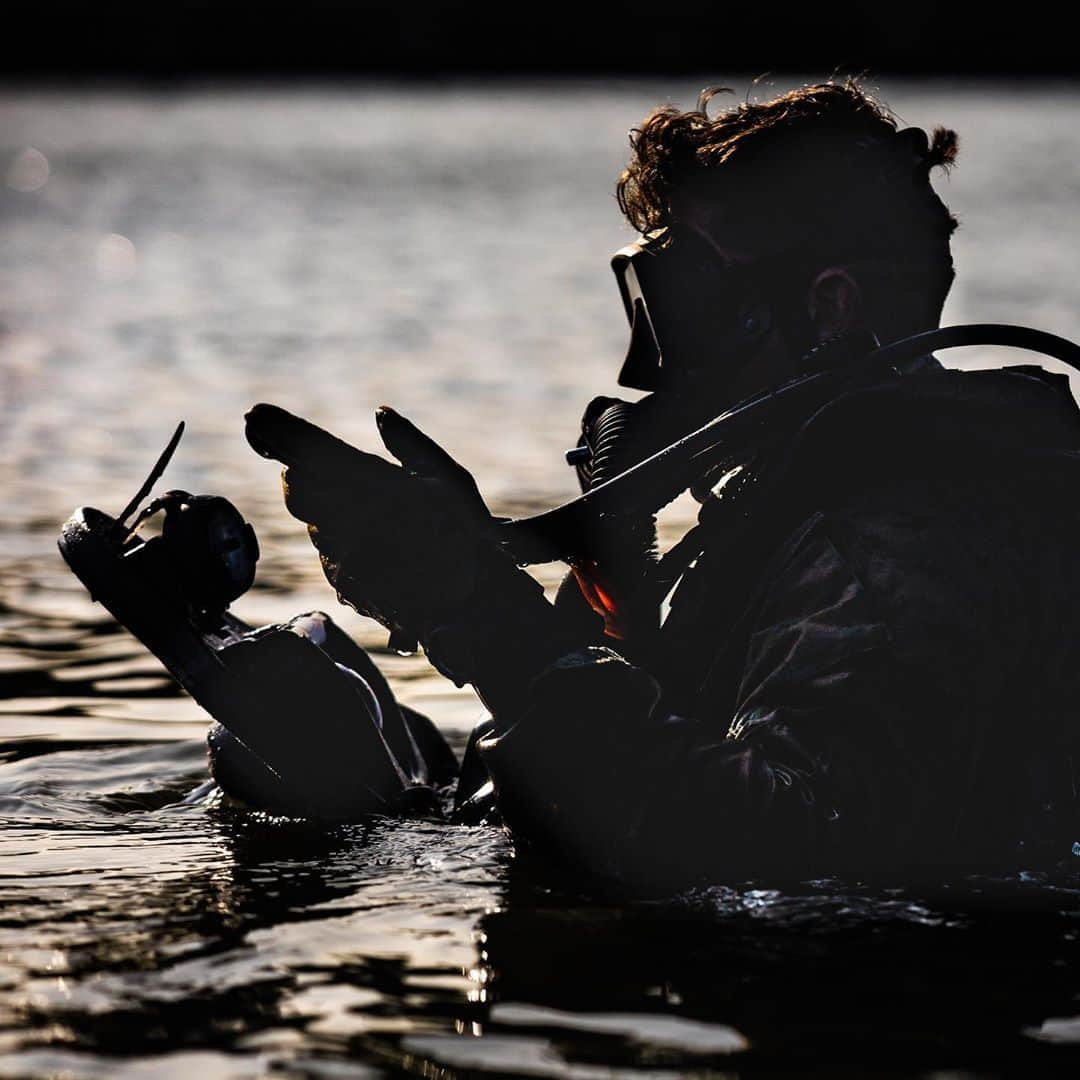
(183, 255)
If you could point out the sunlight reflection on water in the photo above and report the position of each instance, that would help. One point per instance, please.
(184, 255)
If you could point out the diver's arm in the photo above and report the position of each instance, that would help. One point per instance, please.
(595, 771)
(504, 636)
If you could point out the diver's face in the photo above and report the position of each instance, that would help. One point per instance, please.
(773, 360)
(807, 304)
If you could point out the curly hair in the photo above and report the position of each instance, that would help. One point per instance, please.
(821, 171)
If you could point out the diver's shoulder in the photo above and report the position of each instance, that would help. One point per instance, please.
(935, 408)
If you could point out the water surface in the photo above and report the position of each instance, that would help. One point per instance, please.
(184, 255)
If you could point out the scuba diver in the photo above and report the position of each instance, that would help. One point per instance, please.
(864, 655)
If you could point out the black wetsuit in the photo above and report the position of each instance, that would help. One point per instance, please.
(872, 665)
(881, 672)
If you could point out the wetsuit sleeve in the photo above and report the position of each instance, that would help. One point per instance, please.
(596, 771)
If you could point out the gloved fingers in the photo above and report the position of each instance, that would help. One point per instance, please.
(329, 482)
(273, 432)
(418, 452)
(425, 458)
(320, 467)
(363, 486)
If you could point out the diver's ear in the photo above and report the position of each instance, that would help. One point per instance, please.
(834, 302)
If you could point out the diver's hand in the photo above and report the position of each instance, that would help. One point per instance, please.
(401, 543)
(413, 546)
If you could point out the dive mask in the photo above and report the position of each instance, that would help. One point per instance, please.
(690, 312)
